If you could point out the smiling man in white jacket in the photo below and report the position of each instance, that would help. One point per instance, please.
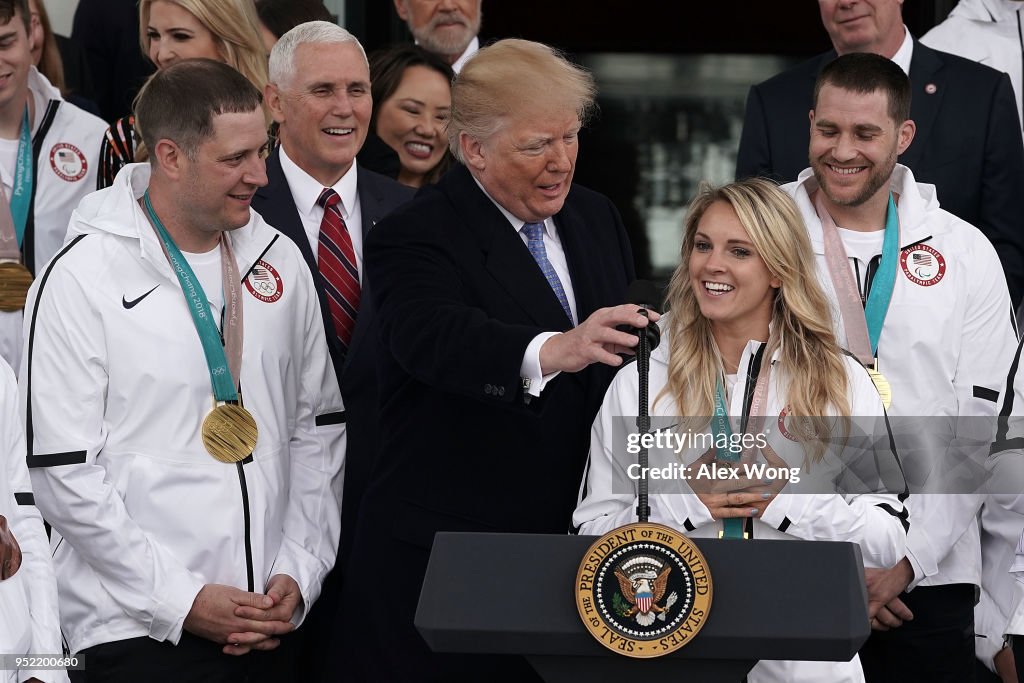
(172, 553)
(945, 343)
(51, 162)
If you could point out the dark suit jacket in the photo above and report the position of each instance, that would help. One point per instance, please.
(459, 298)
(378, 196)
(968, 142)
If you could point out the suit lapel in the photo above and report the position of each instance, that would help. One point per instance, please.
(371, 209)
(506, 257)
(573, 234)
(925, 68)
(277, 206)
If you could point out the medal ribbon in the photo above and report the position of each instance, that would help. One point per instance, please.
(14, 211)
(223, 360)
(733, 526)
(863, 326)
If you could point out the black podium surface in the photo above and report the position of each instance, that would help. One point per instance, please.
(514, 594)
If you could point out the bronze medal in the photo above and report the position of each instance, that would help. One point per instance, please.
(229, 433)
(882, 386)
(15, 279)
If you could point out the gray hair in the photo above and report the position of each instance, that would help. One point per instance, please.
(282, 57)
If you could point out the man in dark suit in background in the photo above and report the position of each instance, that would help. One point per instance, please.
(447, 28)
(968, 141)
(108, 31)
(496, 292)
(319, 93)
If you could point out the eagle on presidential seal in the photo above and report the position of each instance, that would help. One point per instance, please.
(643, 581)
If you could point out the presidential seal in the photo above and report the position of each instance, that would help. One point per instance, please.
(643, 590)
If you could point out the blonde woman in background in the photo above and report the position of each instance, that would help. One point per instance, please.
(746, 309)
(174, 30)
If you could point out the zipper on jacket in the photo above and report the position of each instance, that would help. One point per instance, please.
(753, 370)
(241, 465)
(869, 277)
(248, 530)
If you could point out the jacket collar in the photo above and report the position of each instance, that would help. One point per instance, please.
(116, 211)
(916, 200)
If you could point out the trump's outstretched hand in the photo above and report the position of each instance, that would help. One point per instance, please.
(595, 340)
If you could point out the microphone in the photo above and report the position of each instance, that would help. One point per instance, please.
(644, 291)
(648, 296)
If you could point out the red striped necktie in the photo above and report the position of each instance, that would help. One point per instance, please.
(337, 261)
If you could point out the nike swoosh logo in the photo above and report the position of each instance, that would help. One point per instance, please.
(133, 303)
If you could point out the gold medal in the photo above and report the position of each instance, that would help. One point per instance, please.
(15, 279)
(882, 386)
(229, 433)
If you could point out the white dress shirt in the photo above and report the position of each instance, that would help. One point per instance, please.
(905, 53)
(306, 190)
(530, 369)
(471, 50)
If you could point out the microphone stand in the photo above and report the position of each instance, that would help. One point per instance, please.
(643, 420)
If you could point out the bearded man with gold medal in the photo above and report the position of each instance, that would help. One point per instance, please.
(919, 297)
(187, 428)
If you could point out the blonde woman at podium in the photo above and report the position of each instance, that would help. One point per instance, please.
(748, 343)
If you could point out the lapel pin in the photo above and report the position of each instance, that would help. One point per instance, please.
(931, 88)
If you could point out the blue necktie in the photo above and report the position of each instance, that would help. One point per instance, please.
(535, 243)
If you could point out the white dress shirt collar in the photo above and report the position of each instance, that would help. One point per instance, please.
(306, 189)
(471, 50)
(518, 223)
(906, 52)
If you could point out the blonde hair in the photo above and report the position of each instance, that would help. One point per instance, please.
(500, 78)
(810, 357)
(235, 28)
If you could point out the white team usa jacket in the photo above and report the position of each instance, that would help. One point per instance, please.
(876, 520)
(29, 620)
(115, 388)
(68, 142)
(946, 345)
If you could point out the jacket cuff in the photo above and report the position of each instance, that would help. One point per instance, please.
(685, 509)
(305, 570)
(921, 558)
(173, 606)
(786, 509)
(1015, 627)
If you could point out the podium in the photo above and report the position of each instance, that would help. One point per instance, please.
(514, 594)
